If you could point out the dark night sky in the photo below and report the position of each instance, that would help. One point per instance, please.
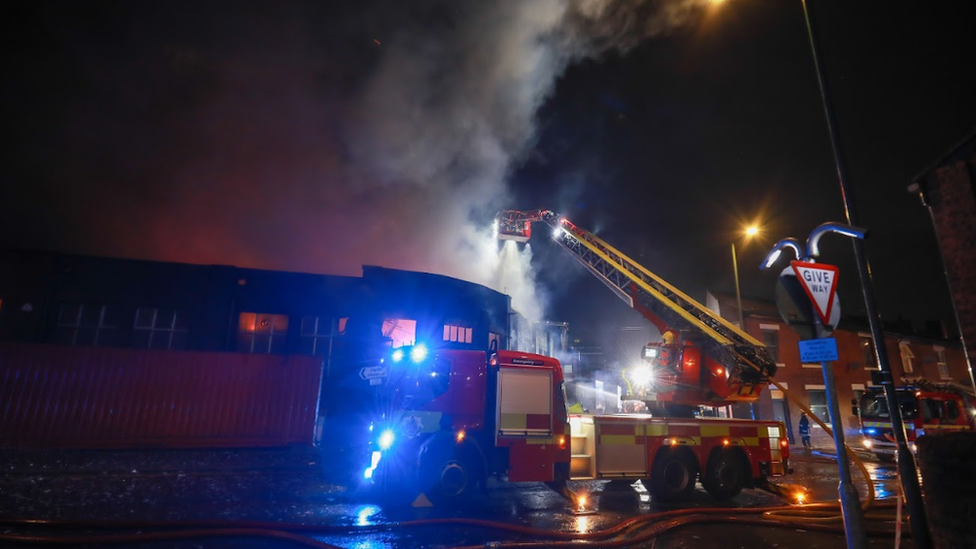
(319, 137)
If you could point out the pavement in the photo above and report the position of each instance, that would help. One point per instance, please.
(301, 486)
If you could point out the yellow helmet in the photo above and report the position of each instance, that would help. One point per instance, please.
(668, 337)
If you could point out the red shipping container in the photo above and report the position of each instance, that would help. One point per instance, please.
(54, 396)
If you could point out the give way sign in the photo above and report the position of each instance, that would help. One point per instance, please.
(820, 283)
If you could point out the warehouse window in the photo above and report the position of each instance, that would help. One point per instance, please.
(317, 333)
(159, 328)
(400, 331)
(457, 333)
(262, 333)
(818, 402)
(906, 357)
(86, 324)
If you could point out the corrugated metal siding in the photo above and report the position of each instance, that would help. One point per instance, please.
(77, 397)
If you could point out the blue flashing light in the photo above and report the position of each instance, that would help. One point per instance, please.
(397, 355)
(418, 353)
(368, 473)
(386, 439)
(870, 431)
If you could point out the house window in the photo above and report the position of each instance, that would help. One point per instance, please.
(159, 328)
(317, 332)
(459, 334)
(943, 366)
(906, 357)
(262, 333)
(86, 325)
(867, 353)
(818, 404)
(400, 331)
(771, 341)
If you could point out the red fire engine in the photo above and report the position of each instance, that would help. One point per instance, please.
(926, 408)
(710, 361)
(455, 417)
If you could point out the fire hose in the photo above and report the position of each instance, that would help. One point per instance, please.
(629, 532)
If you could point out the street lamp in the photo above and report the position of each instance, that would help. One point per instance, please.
(749, 232)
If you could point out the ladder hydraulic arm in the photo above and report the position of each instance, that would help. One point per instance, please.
(749, 364)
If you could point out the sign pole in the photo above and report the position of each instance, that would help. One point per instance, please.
(850, 504)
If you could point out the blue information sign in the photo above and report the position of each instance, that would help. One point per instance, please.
(818, 350)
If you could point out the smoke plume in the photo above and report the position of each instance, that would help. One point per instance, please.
(310, 137)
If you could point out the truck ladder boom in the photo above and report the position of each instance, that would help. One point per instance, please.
(630, 281)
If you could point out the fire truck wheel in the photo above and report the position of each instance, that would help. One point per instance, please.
(448, 477)
(885, 458)
(673, 475)
(725, 474)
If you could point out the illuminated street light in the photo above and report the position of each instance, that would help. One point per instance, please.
(749, 232)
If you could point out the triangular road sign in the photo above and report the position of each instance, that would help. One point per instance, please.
(820, 283)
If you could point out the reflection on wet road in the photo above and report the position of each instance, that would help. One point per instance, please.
(281, 496)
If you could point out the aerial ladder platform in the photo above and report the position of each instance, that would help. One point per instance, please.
(735, 365)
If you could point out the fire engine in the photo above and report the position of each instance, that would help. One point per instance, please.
(456, 417)
(452, 418)
(926, 409)
(706, 361)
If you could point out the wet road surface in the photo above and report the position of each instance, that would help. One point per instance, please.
(292, 487)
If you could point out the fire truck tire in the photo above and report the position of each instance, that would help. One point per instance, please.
(885, 458)
(672, 475)
(725, 474)
(449, 475)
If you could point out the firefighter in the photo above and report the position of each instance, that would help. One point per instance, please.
(805, 429)
(667, 349)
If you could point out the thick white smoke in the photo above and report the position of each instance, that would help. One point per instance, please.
(452, 107)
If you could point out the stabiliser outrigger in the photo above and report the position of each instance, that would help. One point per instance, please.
(715, 362)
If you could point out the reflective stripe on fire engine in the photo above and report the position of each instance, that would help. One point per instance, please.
(522, 422)
(714, 431)
(657, 430)
(618, 439)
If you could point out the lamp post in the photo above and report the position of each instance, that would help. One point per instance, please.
(906, 461)
(749, 233)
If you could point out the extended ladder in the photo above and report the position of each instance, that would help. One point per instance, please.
(745, 356)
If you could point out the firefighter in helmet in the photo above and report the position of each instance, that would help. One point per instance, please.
(668, 349)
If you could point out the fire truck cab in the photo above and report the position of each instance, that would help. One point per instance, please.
(925, 409)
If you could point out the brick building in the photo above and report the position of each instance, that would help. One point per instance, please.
(929, 356)
(948, 190)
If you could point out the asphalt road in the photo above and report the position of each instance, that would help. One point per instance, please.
(128, 492)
